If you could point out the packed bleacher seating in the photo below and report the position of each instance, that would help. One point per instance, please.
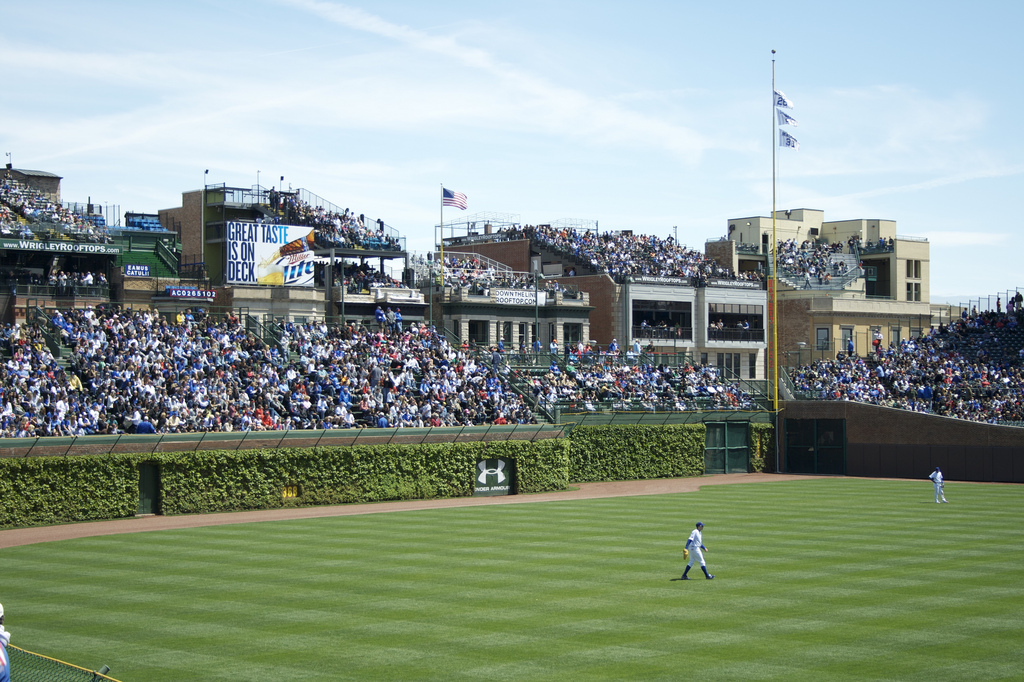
(39, 211)
(465, 271)
(623, 254)
(973, 369)
(360, 278)
(342, 229)
(610, 379)
(811, 261)
(196, 374)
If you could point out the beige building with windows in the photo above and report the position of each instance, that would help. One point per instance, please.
(877, 284)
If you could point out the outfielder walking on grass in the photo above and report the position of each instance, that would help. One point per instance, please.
(936, 477)
(695, 548)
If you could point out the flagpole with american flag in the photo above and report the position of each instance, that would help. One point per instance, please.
(441, 264)
(449, 198)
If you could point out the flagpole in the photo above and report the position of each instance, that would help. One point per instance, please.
(774, 349)
(442, 239)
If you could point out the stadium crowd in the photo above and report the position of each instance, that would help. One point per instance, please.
(141, 373)
(621, 381)
(467, 272)
(811, 261)
(623, 254)
(361, 277)
(342, 229)
(18, 200)
(973, 369)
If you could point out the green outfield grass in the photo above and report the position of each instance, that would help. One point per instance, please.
(831, 579)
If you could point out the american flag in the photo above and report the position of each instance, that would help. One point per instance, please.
(456, 199)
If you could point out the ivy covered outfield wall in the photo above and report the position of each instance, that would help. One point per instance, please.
(50, 490)
(636, 452)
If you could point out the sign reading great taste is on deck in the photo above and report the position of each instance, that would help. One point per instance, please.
(270, 254)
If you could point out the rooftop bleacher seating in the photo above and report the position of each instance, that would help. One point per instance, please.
(973, 370)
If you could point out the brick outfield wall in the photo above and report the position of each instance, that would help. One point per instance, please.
(890, 443)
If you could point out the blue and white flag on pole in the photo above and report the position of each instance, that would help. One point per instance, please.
(787, 140)
(781, 101)
(785, 119)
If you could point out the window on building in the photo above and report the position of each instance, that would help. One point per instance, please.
(662, 318)
(822, 339)
(913, 291)
(703, 358)
(730, 364)
(478, 332)
(752, 367)
(572, 332)
(734, 315)
(847, 334)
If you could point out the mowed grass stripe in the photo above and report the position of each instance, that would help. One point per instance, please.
(822, 579)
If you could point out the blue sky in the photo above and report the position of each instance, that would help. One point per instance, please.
(642, 116)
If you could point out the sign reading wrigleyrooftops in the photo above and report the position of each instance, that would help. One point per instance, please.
(60, 247)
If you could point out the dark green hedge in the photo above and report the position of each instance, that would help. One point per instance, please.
(636, 452)
(253, 479)
(48, 490)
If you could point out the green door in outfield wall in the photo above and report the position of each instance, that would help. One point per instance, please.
(816, 446)
(726, 448)
(149, 486)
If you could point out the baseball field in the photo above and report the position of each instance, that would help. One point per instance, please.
(823, 579)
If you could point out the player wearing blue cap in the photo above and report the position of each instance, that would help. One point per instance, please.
(696, 546)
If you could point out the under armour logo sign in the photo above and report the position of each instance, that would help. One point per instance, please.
(485, 472)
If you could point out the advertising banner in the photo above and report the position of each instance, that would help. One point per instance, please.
(519, 296)
(494, 477)
(652, 279)
(61, 247)
(279, 255)
(736, 283)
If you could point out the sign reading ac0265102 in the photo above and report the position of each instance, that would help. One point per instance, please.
(494, 477)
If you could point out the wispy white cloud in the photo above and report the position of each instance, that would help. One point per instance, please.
(932, 183)
(539, 103)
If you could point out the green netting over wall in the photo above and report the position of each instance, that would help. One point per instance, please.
(29, 667)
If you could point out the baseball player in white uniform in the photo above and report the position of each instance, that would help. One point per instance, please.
(696, 546)
(936, 477)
